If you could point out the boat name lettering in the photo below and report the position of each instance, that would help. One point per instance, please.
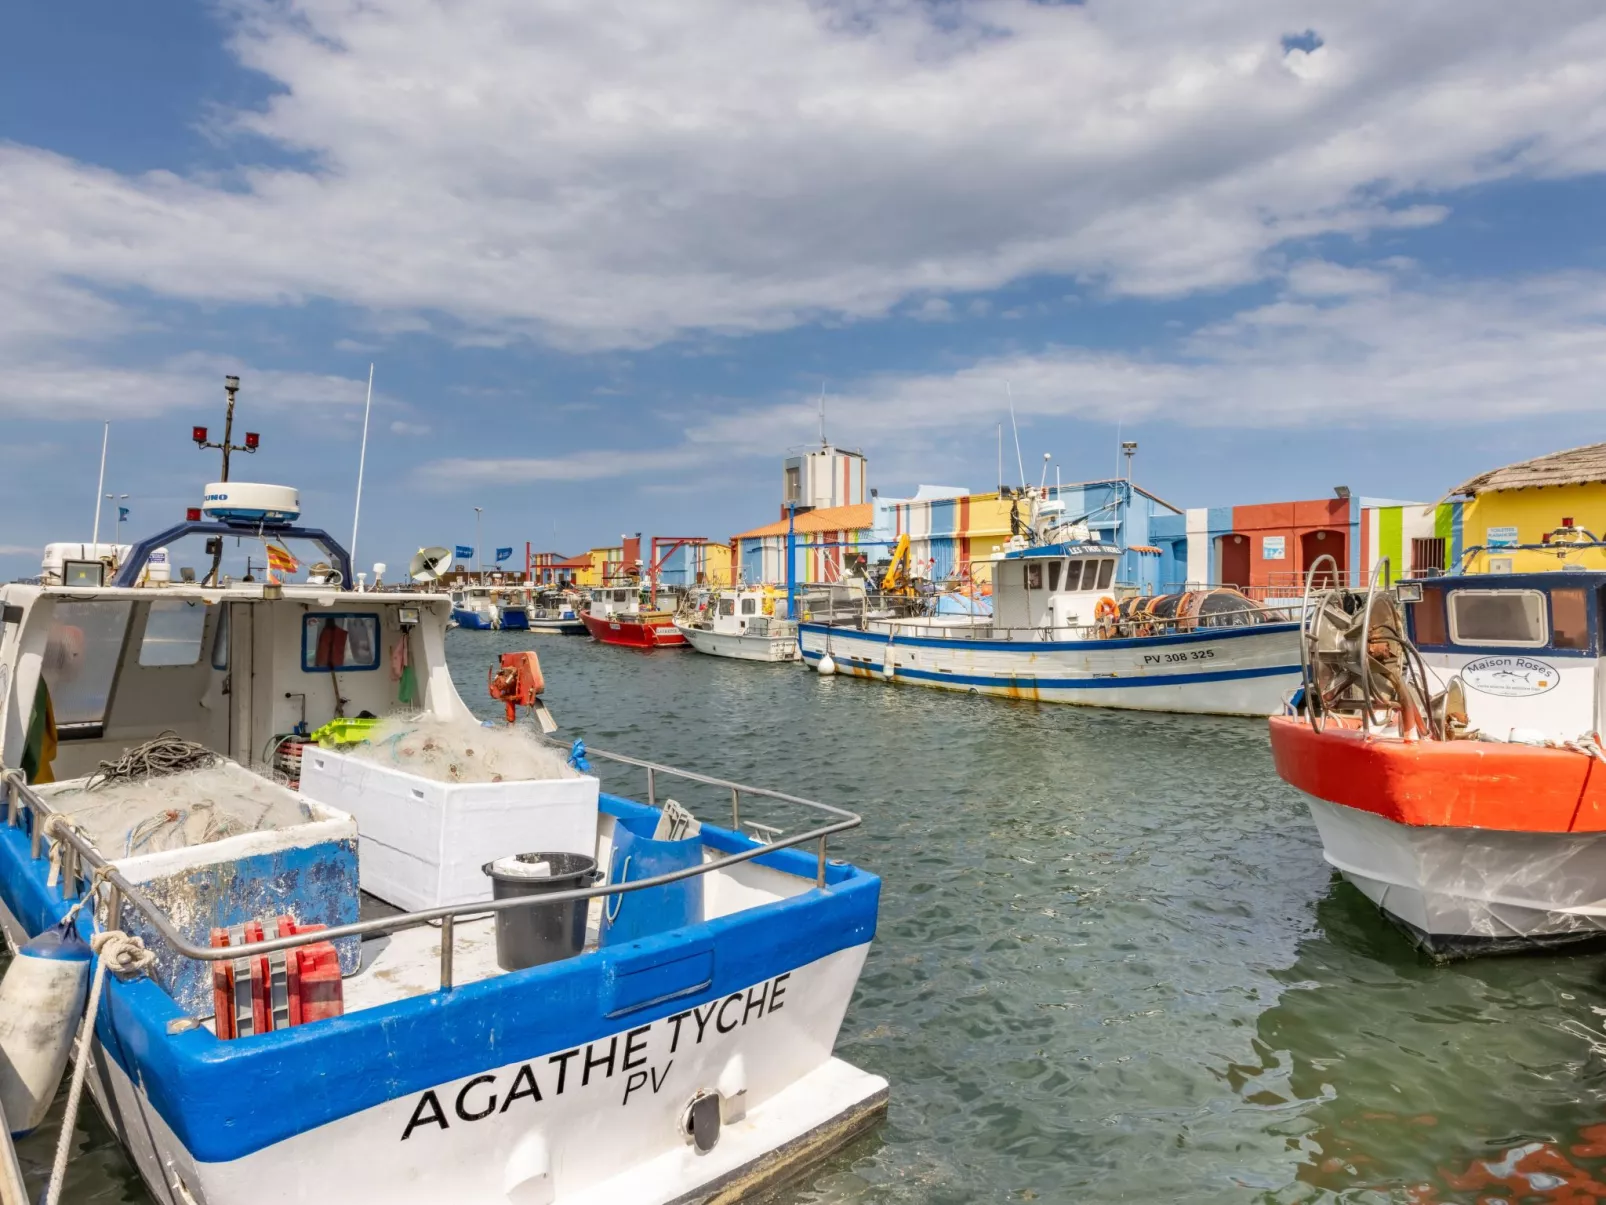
(1511, 677)
(1174, 658)
(621, 1055)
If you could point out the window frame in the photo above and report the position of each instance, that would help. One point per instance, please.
(1452, 624)
(1106, 573)
(379, 643)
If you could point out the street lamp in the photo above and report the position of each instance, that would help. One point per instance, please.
(479, 553)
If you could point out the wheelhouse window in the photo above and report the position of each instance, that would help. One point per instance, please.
(1427, 617)
(1034, 575)
(1054, 576)
(173, 630)
(1106, 573)
(727, 606)
(749, 606)
(339, 642)
(220, 638)
(1498, 617)
(82, 650)
(1569, 619)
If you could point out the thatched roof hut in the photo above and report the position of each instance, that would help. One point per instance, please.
(1576, 466)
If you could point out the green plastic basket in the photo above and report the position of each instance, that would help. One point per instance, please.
(345, 732)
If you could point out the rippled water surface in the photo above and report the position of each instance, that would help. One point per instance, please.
(1111, 963)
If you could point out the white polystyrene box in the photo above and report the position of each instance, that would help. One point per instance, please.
(423, 843)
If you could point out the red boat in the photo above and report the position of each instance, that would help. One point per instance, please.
(616, 616)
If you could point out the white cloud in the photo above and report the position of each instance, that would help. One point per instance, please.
(58, 388)
(401, 427)
(613, 174)
(1380, 354)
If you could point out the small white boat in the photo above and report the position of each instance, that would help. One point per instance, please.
(556, 612)
(739, 623)
(393, 1056)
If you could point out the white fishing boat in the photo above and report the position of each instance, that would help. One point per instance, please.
(270, 1031)
(489, 608)
(556, 612)
(1059, 634)
(739, 623)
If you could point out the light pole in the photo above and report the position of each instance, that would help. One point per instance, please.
(479, 553)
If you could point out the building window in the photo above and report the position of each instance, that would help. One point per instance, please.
(1427, 557)
(1498, 617)
(794, 483)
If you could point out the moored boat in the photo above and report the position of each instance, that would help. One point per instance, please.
(1448, 745)
(740, 623)
(617, 615)
(1058, 634)
(556, 612)
(345, 1053)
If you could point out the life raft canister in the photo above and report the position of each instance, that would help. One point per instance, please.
(41, 1005)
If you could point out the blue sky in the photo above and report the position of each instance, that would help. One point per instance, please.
(605, 255)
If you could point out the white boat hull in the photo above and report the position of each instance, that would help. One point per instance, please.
(612, 1137)
(742, 648)
(1470, 890)
(1232, 671)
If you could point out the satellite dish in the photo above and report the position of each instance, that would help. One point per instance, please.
(429, 564)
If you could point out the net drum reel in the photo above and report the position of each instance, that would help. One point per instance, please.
(1359, 666)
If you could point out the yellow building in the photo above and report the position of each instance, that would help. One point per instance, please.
(1531, 516)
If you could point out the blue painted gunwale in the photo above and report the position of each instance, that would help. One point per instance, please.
(1087, 683)
(225, 1100)
(1040, 646)
(472, 620)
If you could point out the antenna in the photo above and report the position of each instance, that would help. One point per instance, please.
(1043, 484)
(362, 462)
(1000, 458)
(823, 444)
(1019, 463)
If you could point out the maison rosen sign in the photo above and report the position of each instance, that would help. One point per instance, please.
(1512, 677)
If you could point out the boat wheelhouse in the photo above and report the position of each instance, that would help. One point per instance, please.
(300, 1037)
(739, 623)
(1447, 746)
(619, 615)
(1062, 631)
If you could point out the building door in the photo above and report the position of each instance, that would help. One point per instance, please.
(1234, 558)
(1314, 545)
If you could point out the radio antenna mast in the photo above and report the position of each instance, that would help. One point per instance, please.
(1014, 426)
(823, 444)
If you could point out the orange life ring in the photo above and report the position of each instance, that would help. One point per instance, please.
(1106, 612)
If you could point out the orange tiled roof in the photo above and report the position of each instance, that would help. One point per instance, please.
(826, 518)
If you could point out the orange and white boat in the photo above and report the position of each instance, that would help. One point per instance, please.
(1448, 743)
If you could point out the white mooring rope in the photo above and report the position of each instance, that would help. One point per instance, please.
(125, 957)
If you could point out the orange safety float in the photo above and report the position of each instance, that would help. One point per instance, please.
(1106, 613)
(517, 681)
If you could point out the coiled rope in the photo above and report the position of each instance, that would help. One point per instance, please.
(165, 754)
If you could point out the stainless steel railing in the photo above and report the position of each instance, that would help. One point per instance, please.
(82, 867)
(928, 628)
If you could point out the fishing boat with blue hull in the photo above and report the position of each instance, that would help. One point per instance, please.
(1059, 633)
(489, 608)
(317, 990)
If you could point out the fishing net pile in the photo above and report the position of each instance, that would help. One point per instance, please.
(462, 751)
(169, 794)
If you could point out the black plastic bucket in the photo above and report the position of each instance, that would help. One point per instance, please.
(540, 933)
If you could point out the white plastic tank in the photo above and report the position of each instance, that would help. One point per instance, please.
(41, 1004)
(158, 567)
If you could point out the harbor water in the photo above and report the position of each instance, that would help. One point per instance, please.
(1111, 964)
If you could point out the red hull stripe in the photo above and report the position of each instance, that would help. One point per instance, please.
(656, 635)
(1446, 784)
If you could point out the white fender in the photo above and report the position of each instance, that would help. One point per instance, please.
(826, 667)
(41, 1004)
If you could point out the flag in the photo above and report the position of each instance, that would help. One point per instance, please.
(464, 552)
(122, 514)
(280, 560)
(502, 554)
